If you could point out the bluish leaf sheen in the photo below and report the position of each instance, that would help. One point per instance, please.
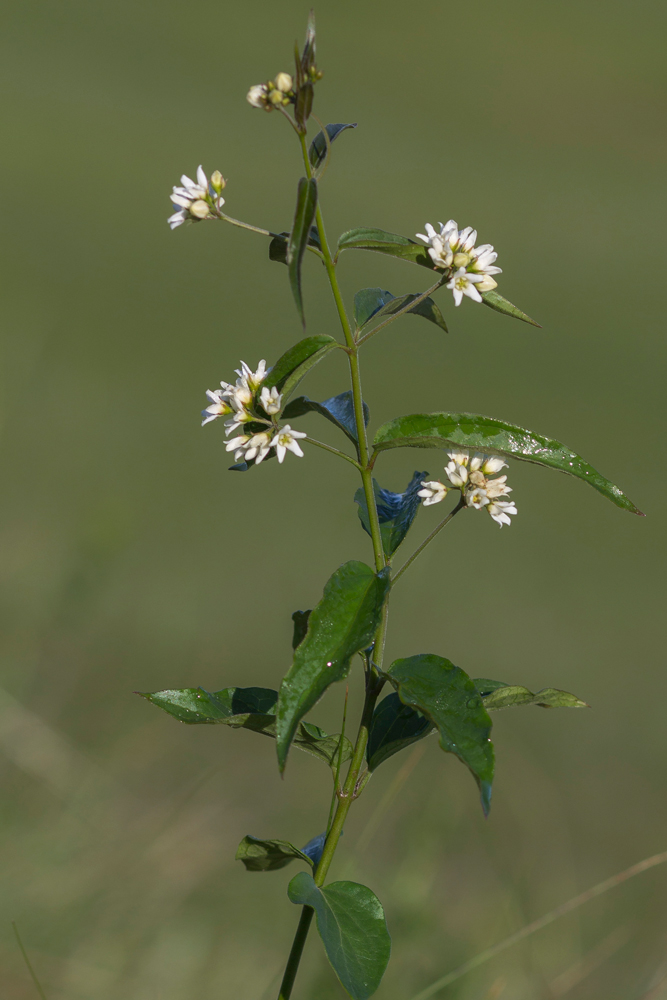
(315, 848)
(394, 727)
(296, 362)
(396, 511)
(448, 697)
(496, 695)
(343, 623)
(494, 437)
(268, 855)
(304, 216)
(246, 708)
(374, 303)
(339, 410)
(317, 153)
(352, 925)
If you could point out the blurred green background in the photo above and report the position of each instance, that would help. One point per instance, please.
(132, 560)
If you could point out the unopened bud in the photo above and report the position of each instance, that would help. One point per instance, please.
(276, 97)
(284, 82)
(217, 181)
(487, 284)
(199, 209)
(461, 260)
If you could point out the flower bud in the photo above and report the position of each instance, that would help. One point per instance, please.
(284, 82)
(217, 181)
(199, 209)
(461, 260)
(487, 284)
(276, 97)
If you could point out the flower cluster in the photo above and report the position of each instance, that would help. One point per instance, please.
(197, 201)
(254, 406)
(468, 267)
(470, 475)
(273, 94)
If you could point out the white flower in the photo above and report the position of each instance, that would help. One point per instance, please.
(285, 440)
(492, 464)
(194, 199)
(440, 251)
(238, 446)
(270, 400)
(219, 406)
(500, 509)
(457, 472)
(258, 447)
(463, 283)
(252, 380)
(433, 492)
(476, 498)
(497, 487)
(258, 96)
(483, 258)
(240, 417)
(459, 457)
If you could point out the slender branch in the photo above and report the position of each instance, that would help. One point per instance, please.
(334, 451)
(461, 504)
(28, 963)
(537, 925)
(263, 232)
(401, 312)
(339, 763)
(295, 954)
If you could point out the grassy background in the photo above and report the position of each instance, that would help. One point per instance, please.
(131, 559)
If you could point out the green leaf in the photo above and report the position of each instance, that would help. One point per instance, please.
(278, 245)
(343, 623)
(245, 708)
(447, 696)
(304, 214)
(268, 855)
(382, 242)
(300, 619)
(295, 363)
(305, 66)
(494, 437)
(374, 303)
(352, 925)
(394, 726)
(339, 410)
(317, 154)
(396, 511)
(510, 695)
(502, 305)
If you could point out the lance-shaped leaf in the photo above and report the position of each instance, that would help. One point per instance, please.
(317, 154)
(245, 708)
(304, 214)
(295, 363)
(509, 695)
(446, 695)
(394, 727)
(494, 437)
(352, 925)
(380, 241)
(278, 245)
(495, 301)
(339, 410)
(268, 855)
(375, 303)
(396, 511)
(343, 623)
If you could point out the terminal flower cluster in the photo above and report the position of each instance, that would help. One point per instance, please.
(468, 267)
(273, 94)
(198, 200)
(254, 406)
(471, 475)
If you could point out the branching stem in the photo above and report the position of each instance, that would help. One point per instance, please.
(401, 312)
(334, 451)
(461, 504)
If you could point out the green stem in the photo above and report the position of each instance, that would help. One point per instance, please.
(401, 312)
(461, 504)
(296, 953)
(334, 451)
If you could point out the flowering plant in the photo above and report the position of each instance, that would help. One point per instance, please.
(428, 693)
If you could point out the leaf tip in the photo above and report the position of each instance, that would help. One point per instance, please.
(485, 789)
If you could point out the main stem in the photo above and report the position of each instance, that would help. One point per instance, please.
(374, 683)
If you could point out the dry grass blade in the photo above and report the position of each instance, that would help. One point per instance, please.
(537, 925)
(596, 957)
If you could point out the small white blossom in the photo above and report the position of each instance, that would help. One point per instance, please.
(476, 498)
(249, 378)
(463, 283)
(194, 200)
(457, 472)
(258, 447)
(497, 487)
(257, 96)
(433, 492)
(493, 464)
(440, 251)
(483, 260)
(500, 509)
(219, 406)
(285, 440)
(238, 446)
(270, 400)
(240, 417)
